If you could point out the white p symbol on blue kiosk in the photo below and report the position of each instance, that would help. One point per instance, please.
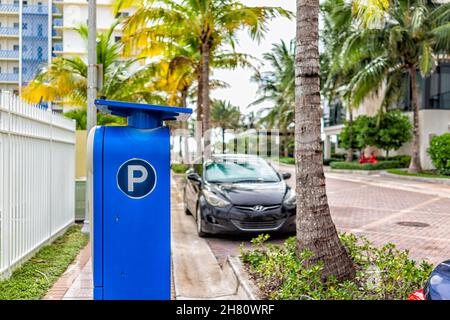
(136, 178)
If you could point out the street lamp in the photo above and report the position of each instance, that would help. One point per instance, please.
(91, 91)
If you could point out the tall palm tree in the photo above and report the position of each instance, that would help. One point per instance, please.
(225, 116)
(316, 231)
(66, 77)
(405, 36)
(209, 26)
(277, 86)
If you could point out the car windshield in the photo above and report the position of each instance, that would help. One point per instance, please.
(247, 170)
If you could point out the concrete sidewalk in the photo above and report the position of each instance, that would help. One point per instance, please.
(196, 273)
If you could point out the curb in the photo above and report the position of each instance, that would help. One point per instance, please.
(418, 179)
(234, 270)
(360, 172)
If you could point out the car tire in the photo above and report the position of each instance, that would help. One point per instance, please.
(198, 220)
(186, 210)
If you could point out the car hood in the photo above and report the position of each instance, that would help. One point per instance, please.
(251, 194)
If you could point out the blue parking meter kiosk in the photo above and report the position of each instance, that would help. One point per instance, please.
(131, 202)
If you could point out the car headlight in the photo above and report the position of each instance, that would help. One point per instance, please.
(290, 199)
(214, 200)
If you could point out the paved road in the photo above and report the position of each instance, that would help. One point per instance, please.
(374, 206)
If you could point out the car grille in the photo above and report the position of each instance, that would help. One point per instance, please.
(269, 225)
(261, 209)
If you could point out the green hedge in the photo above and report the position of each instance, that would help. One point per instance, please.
(403, 159)
(287, 160)
(326, 162)
(381, 165)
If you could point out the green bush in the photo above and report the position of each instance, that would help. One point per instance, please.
(439, 152)
(381, 165)
(326, 162)
(384, 273)
(403, 159)
(179, 168)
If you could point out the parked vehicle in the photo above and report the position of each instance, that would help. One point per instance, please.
(437, 286)
(239, 194)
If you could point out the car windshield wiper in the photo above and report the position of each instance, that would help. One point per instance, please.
(250, 181)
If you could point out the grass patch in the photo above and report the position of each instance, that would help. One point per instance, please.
(179, 168)
(381, 165)
(287, 160)
(33, 279)
(424, 174)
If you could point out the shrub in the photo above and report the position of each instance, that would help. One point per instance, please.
(439, 152)
(381, 165)
(179, 168)
(381, 273)
(327, 162)
(403, 159)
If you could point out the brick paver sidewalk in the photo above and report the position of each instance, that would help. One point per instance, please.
(76, 281)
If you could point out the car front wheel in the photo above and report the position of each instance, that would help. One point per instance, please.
(199, 222)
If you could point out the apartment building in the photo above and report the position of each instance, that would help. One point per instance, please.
(33, 32)
(434, 115)
(26, 37)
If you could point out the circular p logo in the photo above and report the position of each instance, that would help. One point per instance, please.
(136, 178)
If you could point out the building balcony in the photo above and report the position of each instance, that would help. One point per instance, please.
(35, 9)
(56, 11)
(9, 8)
(58, 23)
(57, 47)
(9, 54)
(9, 31)
(9, 77)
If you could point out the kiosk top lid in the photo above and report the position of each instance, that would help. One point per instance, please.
(143, 115)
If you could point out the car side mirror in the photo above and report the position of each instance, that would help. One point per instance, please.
(286, 175)
(194, 177)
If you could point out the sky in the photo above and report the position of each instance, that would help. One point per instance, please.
(242, 91)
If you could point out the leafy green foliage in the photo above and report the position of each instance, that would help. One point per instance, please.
(80, 116)
(387, 131)
(179, 168)
(348, 136)
(394, 130)
(439, 152)
(381, 165)
(32, 280)
(381, 273)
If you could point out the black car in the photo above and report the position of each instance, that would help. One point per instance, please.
(232, 194)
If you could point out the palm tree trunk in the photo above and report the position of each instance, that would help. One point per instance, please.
(205, 92)
(350, 138)
(316, 231)
(415, 165)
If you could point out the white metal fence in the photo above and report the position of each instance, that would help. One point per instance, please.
(37, 178)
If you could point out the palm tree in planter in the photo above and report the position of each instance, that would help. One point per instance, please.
(209, 26)
(406, 36)
(316, 231)
(224, 115)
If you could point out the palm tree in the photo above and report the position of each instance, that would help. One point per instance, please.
(66, 77)
(209, 26)
(316, 231)
(224, 115)
(404, 36)
(277, 87)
